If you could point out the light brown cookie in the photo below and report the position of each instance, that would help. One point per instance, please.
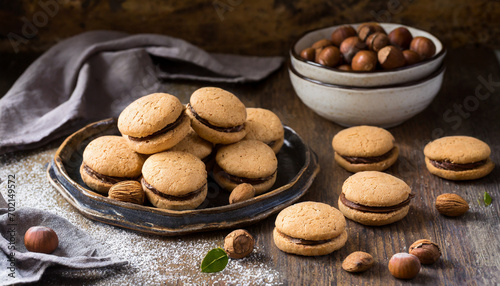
(154, 123)
(108, 160)
(364, 148)
(174, 180)
(265, 126)
(195, 145)
(248, 161)
(310, 228)
(374, 198)
(217, 115)
(458, 158)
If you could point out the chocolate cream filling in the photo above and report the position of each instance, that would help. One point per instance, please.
(447, 165)
(304, 241)
(233, 129)
(104, 178)
(368, 160)
(162, 131)
(369, 209)
(185, 197)
(241, 180)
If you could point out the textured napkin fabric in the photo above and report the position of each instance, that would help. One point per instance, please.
(96, 74)
(76, 248)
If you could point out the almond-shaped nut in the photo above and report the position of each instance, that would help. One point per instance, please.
(358, 261)
(427, 251)
(127, 191)
(451, 205)
(241, 193)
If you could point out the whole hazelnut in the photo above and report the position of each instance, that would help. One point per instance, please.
(366, 29)
(241, 193)
(404, 265)
(345, 67)
(377, 41)
(411, 57)
(423, 46)
(41, 239)
(321, 44)
(350, 47)
(238, 244)
(358, 261)
(427, 251)
(308, 54)
(364, 61)
(316, 54)
(329, 56)
(391, 57)
(342, 33)
(400, 37)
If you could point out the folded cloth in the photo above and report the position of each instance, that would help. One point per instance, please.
(76, 248)
(94, 75)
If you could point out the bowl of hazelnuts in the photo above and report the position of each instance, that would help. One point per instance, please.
(367, 54)
(370, 73)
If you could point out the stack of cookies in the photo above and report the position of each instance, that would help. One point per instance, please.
(170, 148)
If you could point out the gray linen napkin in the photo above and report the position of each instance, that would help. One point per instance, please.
(94, 75)
(76, 248)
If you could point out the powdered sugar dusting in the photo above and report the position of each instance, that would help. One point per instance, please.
(153, 260)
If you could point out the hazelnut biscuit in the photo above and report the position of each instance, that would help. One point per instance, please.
(265, 126)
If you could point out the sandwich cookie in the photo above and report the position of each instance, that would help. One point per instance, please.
(217, 115)
(174, 180)
(309, 229)
(195, 145)
(458, 158)
(374, 198)
(108, 160)
(265, 126)
(154, 123)
(365, 148)
(248, 161)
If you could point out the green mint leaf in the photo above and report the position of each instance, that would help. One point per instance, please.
(487, 199)
(215, 261)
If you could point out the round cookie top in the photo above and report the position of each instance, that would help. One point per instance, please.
(263, 125)
(194, 144)
(311, 221)
(111, 156)
(363, 141)
(219, 107)
(174, 173)
(375, 189)
(248, 159)
(149, 114)
(457, 149)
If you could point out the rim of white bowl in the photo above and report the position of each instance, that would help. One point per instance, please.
(432, 75)
(299, 58)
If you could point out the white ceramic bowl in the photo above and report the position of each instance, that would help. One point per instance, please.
(363, 79)
(380, 106)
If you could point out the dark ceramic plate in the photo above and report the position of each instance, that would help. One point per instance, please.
(297, 167)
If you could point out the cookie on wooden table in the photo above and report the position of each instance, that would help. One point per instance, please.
(264, 125)
(108, 160)
(458, 158)
(365, 148)
(310, 229)
(217, 115)
(174, 180)
(374, 198)
(154, 123)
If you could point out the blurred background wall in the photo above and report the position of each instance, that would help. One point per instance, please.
(257, 27)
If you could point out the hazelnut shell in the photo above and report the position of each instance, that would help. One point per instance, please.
(308, 54)
(238, 244)
(400, 37)
(390, 57)
(364, 61)
(423, 46)
(41, 239)
(342, 33)
(427, 251)
(329, 56)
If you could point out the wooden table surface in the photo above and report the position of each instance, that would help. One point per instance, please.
(470, 244)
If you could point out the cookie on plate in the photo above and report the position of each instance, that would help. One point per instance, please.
(264, 125)
(174, 180)
(195, 145)
(365, 148)
(217, 115)
(154, 123)
(108, 160)
(248, 161)
(374, 198)
(458, 158)
(310, 229)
